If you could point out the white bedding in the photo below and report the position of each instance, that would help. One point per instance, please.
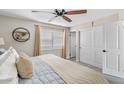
(8, 71)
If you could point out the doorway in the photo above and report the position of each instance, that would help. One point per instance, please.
(73, 45)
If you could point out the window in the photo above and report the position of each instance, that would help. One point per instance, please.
(51, 39)
(58, 39)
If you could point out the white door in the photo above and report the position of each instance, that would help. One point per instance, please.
(73, 44)
(98, 46)
(113, 52)
(91, 45)
(86, 46)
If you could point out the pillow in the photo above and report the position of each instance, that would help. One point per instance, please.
(8, 71)
(4, 56)
(24, 66)
(14, 52)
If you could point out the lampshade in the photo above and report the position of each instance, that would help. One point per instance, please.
(1, 41)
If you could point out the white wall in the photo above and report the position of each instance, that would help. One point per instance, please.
(8, 24)
(101, 21)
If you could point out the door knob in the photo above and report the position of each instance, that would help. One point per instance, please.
(104, 51)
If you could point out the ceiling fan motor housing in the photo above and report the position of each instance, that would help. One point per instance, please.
(60, 12)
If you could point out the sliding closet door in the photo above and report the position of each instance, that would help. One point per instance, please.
(91, 45)
(98, 45)
(86, 46)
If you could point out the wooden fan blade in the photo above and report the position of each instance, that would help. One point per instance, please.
(67, 19)
(76, 12)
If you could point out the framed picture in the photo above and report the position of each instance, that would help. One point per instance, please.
(21, 34)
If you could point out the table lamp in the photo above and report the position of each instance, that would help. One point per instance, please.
(1, 41)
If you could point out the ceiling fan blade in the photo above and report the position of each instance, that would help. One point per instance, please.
(35, 11)
(67, 19)
(52, 18)
(76, 12)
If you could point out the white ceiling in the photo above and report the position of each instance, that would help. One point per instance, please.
(92, 14)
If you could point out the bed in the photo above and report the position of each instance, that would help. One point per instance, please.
(46, 69)
(51, 69)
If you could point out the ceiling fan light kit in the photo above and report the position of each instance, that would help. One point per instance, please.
(62, 13)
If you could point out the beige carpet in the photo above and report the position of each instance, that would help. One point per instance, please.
(111, 79)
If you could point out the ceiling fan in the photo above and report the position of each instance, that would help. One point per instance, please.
(62, 13)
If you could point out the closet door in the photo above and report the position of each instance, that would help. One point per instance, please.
(113, 52)
(86, 46)
(91, 45)
(98, 46)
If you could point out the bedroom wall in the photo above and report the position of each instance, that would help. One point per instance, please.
(8, 24)
(98, 22)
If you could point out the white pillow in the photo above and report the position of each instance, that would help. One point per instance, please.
(8, 71)
(14, 52)
(4, 56)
